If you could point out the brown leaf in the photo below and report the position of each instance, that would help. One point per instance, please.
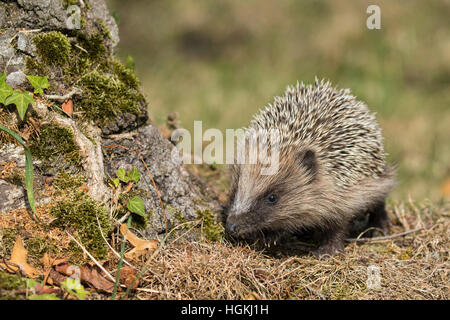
(141, 246)
(68, 107)
(92, 277)
(18, 260)
(127, 277)
(88, 275)
(48, 261)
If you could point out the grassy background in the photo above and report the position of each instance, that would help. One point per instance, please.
(220, 61)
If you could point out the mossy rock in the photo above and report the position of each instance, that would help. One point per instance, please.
(78, 213)
(65, 181)
(109, 89)
(53, 48)
(56, 148)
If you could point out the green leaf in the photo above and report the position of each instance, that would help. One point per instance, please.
(134, 175)
(2, 77)
(31, 283)
(21, 100)
(28, 168)
(45, 296)
(75, 288)
(5, 91)
(116, 182)
(121, 174)
(136, 205)
(38, 83)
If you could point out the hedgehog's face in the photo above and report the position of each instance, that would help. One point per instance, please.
(261, 205)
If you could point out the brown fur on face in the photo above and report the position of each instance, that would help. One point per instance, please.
(307, 198)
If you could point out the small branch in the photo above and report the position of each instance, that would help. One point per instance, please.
(110, 247)
(122, 220)
(92, 258)
(393, 236)
(64, 97)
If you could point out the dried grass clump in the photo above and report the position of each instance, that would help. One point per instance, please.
(411, 267)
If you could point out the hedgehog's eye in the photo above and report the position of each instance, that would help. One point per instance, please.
(272, 198)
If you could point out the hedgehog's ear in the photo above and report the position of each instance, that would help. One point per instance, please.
(309, 161)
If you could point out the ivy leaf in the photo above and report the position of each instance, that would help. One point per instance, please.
(74, 287)
(21, 100)
(116, 182)
(136, 205)
(122, 175)
(5, 90)
(38, 83)
(134, 175)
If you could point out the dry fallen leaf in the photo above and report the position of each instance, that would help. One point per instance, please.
(68, 107)
(48, 261)
(18, 260)
(87, 274)
(141, 246)
(92, 277)
(128, 277)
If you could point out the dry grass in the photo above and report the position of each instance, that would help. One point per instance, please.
(411, 267)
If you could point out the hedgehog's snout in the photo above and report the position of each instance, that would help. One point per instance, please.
(232, 225)
(231, 228)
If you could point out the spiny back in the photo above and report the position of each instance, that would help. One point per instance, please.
(340, 129)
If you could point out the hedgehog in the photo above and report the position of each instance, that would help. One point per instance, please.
(331, 170)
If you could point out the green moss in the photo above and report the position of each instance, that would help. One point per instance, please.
(93, 45)
(70, 3)
(34, 67)
(11, 281)
(106, 96)
(125, 74)
(177, 214)
(67, 181)
(79, 213)
(53, 47)
(109, 88)
(54, 143)
(37, 246)
(104, 29)
(7, 240)
(211, 229)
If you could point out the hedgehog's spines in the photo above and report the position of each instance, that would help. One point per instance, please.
(332, 121)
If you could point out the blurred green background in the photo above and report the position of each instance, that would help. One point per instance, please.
(220, 61)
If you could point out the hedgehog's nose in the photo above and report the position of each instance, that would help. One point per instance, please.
(231, 227)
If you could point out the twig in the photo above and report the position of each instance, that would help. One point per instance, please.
(92, 258)
(397, 235)
(65, 97)
(110, 247)
(125, 217)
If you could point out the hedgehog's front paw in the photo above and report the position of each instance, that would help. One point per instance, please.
(328, 249)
